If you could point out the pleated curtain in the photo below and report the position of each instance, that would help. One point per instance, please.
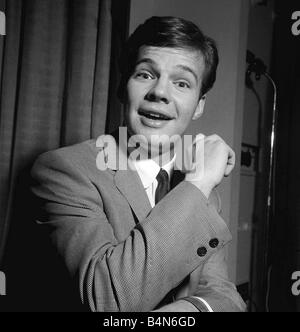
(58, 74)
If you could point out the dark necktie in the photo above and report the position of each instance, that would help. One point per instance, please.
(163, 185)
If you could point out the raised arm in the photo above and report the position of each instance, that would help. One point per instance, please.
(136, 273)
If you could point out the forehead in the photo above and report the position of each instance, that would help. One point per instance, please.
(172, 58)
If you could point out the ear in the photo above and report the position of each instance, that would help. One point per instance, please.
(200, 108)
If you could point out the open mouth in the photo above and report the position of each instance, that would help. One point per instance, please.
(154, 115)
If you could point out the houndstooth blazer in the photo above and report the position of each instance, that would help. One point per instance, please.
(122, 254)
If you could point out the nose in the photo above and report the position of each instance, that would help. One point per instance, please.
(159, 91)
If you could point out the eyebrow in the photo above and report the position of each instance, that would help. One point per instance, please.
(145, 60)
(183, 67)
(188, 69)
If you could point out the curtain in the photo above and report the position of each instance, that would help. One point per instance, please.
(58, 81)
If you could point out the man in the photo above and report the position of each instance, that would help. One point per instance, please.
(129, 242)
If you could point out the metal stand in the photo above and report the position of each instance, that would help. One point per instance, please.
(257, 67)
(271, 190)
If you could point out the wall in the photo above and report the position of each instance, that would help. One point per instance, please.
(226, 22)
(256, 106)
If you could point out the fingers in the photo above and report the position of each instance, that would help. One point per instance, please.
(230, 162)
(231, 154)
(214, 159)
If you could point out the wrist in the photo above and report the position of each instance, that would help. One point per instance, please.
(199, 305)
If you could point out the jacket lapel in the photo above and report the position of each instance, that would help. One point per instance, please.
(130, 185)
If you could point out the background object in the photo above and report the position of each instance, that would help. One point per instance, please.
(57, 74)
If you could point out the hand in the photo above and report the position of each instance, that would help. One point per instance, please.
(214, 160)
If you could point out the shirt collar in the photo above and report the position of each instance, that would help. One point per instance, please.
(148, 170)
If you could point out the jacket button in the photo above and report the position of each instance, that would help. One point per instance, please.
(214, 243)
(202, 251)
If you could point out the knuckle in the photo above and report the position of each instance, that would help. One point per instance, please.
(213, 137)
(216, 137)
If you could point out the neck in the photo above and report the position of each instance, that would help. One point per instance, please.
(164, 157)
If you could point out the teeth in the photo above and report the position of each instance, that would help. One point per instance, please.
(155, 116)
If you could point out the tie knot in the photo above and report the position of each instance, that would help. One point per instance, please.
(162, 176)
(162, 185)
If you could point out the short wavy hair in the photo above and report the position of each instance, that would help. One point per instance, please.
(172, 32)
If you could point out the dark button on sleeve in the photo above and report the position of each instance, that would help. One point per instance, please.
(214, 243)
(202, 251)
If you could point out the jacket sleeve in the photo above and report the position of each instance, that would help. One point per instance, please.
(135, 274)
(213, 284)
(215, 288)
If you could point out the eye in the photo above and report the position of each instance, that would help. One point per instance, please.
(144, 75)
(183, 84)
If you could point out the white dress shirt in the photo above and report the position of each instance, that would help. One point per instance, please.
(148, 170)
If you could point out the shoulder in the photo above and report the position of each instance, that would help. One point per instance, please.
(81, 157)
(94, 159)
(74, 153)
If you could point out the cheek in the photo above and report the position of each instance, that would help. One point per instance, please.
(187, 109)
(135, 93)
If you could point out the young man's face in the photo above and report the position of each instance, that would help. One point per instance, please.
(163, 92)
